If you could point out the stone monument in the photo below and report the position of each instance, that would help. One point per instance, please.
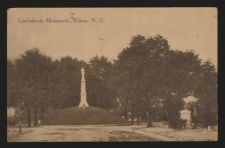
(83, 94)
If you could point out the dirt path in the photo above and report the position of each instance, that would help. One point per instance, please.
(77, 133)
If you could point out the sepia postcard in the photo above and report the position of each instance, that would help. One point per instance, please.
(112, 74)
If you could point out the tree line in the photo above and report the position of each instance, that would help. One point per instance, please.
(147, 81)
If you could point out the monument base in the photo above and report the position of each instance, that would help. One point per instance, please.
(83, 105)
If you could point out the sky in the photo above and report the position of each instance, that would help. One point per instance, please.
(107, 31)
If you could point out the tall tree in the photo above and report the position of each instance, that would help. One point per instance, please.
(206, 92)
(136, 74)
(149, 70)
(98, 74)
(66, 78)
(181, 69)
(32, 69)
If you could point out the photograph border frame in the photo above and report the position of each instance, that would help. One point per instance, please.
(7, 4)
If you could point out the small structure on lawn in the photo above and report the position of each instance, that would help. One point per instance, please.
(185, 114)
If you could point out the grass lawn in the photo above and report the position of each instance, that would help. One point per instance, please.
(78, 116)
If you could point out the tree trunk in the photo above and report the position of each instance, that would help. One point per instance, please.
(28, 116)
(42, 113)
(35, 116)
(149, 121)
(194, 125)
(138, 120)
(132, 120)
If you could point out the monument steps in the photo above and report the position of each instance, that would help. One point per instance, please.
(84, 116)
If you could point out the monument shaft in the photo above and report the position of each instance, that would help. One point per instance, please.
(83, 94)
